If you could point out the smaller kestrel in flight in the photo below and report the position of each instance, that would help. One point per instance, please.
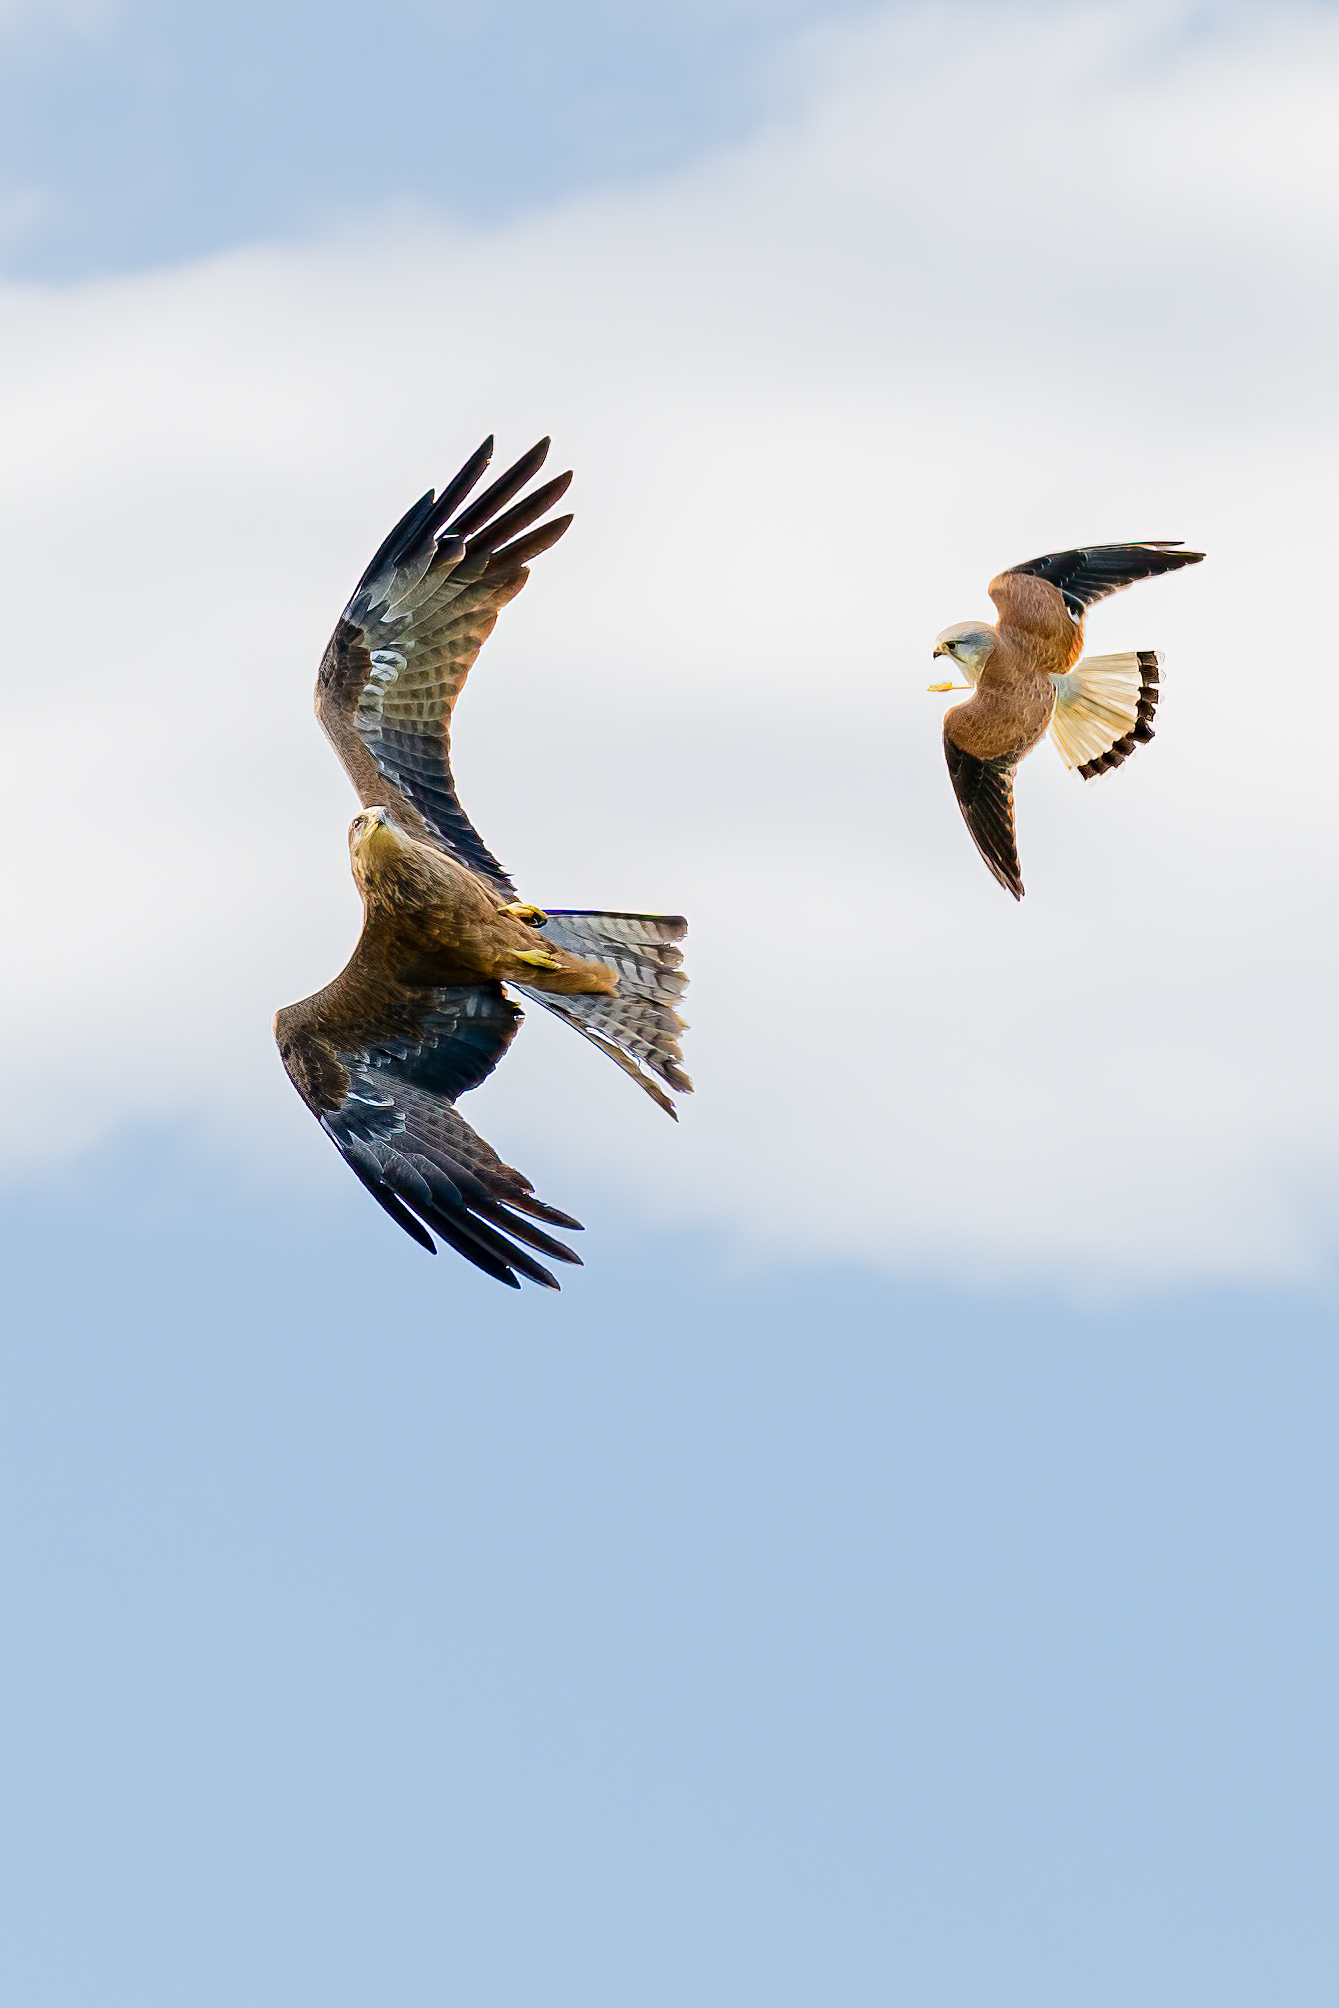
(1025, 674)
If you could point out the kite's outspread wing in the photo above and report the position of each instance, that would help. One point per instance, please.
(1087, 575)
(381, 1064)
(408, 638)
(985, 792)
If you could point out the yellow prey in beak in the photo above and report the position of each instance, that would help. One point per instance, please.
(940, 649)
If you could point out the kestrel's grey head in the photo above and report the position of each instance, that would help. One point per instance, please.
(969, 643)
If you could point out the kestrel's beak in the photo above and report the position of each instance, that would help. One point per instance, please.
(940, 649)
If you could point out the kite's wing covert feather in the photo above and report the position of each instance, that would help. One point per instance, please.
(408, 638)
(985, 792)
(1088, 575)
(383, 1085)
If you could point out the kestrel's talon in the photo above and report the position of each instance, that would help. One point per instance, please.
(521, 909)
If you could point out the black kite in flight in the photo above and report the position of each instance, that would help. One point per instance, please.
(419, 1015)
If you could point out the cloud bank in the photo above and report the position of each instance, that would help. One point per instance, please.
(1001, 279)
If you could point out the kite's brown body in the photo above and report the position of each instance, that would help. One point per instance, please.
(434, 922)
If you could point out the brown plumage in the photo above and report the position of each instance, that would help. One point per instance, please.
(1027, 674)
(419, 1014)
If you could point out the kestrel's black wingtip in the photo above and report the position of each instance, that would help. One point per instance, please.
(1090, 571)
(985, 792)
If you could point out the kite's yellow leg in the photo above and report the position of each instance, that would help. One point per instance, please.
(539, 957)
(521, 909)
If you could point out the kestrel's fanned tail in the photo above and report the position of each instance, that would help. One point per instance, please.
(1084, 576)
(1104, 708)
(985, 792)
(638, 1027)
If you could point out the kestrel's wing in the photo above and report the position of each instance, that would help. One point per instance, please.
(1088, 575)
(407, 640)
(985, 792)
(381, 1067)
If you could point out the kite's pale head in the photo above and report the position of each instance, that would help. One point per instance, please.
(967, 645)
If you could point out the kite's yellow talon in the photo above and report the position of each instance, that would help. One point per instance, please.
(540, 958)
(948, 686)
(521, 909)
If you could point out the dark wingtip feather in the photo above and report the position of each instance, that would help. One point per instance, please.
(398, 539)
(397, 1210)
(502, 490)
(460, 484)
(527, 1203)
(1090, 572)
(533, 505)
(512, 556)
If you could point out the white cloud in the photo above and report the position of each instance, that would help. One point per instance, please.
(1014, 277)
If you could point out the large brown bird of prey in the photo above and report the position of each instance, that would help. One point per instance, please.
(1026, 674)
(419, 1015)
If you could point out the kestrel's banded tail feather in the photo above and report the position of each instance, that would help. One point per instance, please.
(638, 1027)
(1104, 708)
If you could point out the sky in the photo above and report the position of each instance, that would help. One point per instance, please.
(895, 1567)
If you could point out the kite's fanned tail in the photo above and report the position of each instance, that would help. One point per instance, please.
(638, 1027)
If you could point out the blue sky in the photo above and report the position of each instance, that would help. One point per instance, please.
(897, 1568)
(720, 1636)
(138, 132)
